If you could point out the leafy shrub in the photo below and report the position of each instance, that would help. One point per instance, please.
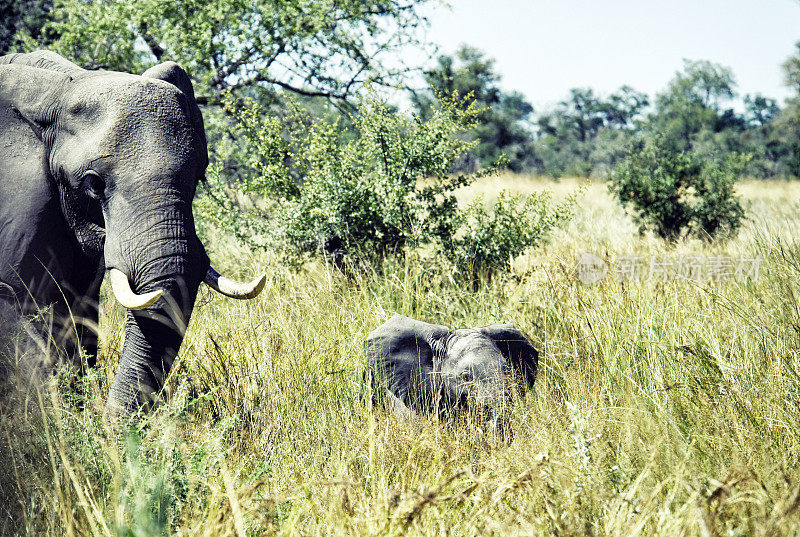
(362, 195)
(675, 193)
(718, 211)
(388, 187)
(488, 241)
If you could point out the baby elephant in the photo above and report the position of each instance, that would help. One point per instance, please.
(419, 366)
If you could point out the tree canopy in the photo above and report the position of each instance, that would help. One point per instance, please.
(503, 129)
(23, 17)
(309, 47)
(329, 50)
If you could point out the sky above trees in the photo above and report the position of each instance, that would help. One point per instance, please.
(545, 47)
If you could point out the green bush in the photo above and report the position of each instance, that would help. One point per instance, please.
(675, 193)
(718, 211)
(361, 195)
(489, 241)
(386, 187)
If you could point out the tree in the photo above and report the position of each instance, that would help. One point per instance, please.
(758, 137)
(580, 117)
(25, 16)
(308, 47)
(467, 74)
(380, 195)
(759, 110)
(569, 134)
(691, 106)
(672, 191)
(784, 132)
(624, 107)
(502, 128)
(791, 70)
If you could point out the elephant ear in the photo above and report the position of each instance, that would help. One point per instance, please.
(174, 74)
(28, 96)
(516, 348)
(402, 352)
(30, 234)
(44, 59)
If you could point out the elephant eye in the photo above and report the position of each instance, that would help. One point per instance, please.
(94, 185)
(466, 375)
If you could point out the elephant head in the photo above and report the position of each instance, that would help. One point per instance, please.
(427, 367)
(98, 171)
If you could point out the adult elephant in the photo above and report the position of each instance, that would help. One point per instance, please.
(98, 170)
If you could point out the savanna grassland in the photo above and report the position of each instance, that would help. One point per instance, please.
(662, 406)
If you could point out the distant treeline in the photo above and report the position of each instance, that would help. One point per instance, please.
(324, 56)
(589, 134)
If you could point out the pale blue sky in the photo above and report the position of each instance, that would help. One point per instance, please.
(544, 47)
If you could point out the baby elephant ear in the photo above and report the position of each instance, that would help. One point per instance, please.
(402, 354)
(403, 340)
(516, 348)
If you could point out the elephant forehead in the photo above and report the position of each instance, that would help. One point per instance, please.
(128, 92)
(473, 346)
(130, 113)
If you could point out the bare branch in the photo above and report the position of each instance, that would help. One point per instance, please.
(151, 41)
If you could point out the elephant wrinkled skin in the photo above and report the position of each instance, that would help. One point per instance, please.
(98, 170)
(418, 366)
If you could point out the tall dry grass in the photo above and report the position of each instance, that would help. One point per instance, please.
(662, 407)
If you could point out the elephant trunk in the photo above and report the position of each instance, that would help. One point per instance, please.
(166, 261)
(150, 348)
(155, 271)
(494, 405)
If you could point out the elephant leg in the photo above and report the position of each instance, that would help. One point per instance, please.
(24, 347)
(10, 331)
(72, 339)
(26, 350)
(85, 317)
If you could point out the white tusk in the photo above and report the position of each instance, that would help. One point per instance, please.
(232, 289)
(125, 295)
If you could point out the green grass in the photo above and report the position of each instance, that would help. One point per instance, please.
(662, 408)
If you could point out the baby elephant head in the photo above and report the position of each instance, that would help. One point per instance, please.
(420, 366)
